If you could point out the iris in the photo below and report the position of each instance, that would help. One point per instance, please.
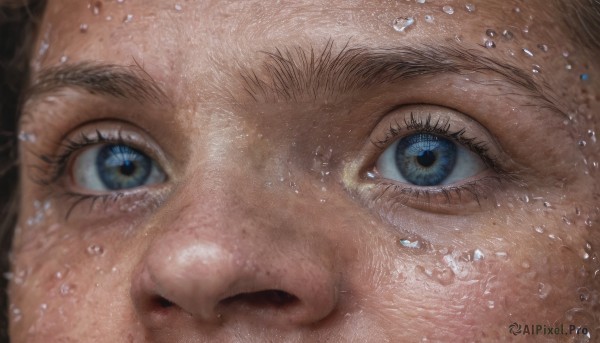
(424, 159)
(122, 167)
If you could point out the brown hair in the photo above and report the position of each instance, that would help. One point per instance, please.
(18, 24)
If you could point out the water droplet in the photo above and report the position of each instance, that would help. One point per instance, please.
(402, 24)
(582, 143)
(429, 18)
(128, 18)
(44, 307)
(543, 47)
(566, 220)
(517, 10)
(63, 59)
(592, 134)
(491, 304)
(539, 229)
(526, 29)
(448, 9)
(527, 52)
(565, 53)
(120, 1)
(420, 1)
(95, 250)
(416, 244)
(178, 7)
(584, 77)
(489, 44)
(96, 7)
(66, 289)
(27, 137)
(83, 28)
(501, 255)
(585, 256)
(16, 313)
(543, 290)
(508, 35)
(478, 255)
(536, 69)
(490, 33)
(526, 199)
(525, 265)
(470, 7)
(547, 204)
(568, 67)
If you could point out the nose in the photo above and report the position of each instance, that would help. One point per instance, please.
(199, 276)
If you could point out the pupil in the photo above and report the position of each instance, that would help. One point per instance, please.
(426, 158)
(127, 168)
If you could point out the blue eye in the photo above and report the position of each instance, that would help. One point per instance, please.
(115, 167)
(424, 159)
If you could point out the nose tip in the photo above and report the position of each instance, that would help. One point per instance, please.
(209, 284)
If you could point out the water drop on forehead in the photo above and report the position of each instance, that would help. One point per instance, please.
(536, 69)
(470, 7)
(402, 24)
(448, 9)
(429, 18)
(420, 1)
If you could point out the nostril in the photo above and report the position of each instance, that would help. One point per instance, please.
(268, 298)
(161, 302)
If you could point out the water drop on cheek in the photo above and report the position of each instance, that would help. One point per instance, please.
(448, 9)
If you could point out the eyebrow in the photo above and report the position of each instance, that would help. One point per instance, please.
(298, 74)
(125, 82)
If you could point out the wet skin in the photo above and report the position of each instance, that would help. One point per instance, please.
(274, 221)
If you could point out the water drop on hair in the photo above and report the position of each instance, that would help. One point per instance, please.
(527, 52)
(543, 47)
(448, 9)
(536, 69)
(506, 34)
(490, 33)
(489, 44)
(402, 24)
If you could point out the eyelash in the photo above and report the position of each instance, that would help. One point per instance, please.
(402, 194)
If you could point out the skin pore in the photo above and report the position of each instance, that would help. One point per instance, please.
(274, 219)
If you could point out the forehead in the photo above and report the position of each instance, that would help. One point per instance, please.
(202, 33)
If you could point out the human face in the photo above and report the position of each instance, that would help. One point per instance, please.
(272, 205)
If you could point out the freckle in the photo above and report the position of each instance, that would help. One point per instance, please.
(536, 69)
